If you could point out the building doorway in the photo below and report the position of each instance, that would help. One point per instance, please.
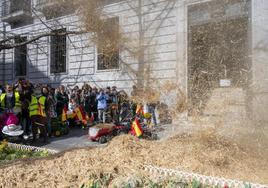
(218, 49)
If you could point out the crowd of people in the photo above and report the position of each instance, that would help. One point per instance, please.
(36, 105)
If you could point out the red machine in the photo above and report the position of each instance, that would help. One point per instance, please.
(102, 133)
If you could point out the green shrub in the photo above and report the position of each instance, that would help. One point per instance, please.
(9, 154)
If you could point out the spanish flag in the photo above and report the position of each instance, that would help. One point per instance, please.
(80, 115)
(136, 128)
(64, 114)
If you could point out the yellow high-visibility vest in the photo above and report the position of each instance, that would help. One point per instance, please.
(17, 100)
(2, 100)
(33, 107)
(37, 106)
(42, 101)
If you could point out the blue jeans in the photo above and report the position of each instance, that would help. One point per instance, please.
(102, 115)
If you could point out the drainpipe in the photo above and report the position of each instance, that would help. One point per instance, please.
(4, 53)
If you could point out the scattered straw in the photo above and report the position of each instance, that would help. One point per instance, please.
(205, 153)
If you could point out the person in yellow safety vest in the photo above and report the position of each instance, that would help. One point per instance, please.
(10, 101)
(37, 112)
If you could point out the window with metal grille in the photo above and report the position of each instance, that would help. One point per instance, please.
(58, 52)
(12, 6)
(108, 45)
(20, 57)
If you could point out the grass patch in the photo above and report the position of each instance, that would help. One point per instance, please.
(8, 154)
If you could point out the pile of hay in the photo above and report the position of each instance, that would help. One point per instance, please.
(203, 152)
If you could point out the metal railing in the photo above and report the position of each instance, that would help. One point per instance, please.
(205, 180)
(12, 6)
(31, 148)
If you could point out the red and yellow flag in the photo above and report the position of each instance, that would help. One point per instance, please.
(136, 127)
(64, 114)
(80, 114)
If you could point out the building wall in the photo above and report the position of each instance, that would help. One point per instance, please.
(165, 38)
(160, 37)
(260, 59)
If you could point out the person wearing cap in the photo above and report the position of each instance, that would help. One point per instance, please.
(37, 110)
(10, 100)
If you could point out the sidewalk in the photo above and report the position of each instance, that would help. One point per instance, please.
(77, 138)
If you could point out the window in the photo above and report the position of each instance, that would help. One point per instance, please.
(20, 57)
(61, 11)
(58, 52)
(18, 5)
(17, 12)
(55, 8)
(108, 45)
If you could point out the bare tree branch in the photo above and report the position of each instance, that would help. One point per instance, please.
(14, 45)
